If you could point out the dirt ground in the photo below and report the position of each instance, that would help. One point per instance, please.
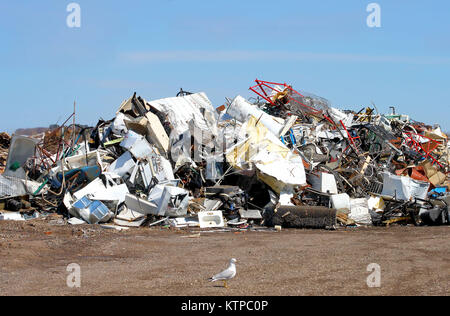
(34, 256)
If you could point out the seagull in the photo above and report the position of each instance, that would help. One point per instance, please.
(227, 274)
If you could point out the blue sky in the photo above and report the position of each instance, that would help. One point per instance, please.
(220, 47)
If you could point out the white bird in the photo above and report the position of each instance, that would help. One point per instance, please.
(226, 274)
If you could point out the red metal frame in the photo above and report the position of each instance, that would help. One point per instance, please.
(44, 156)
(411, 142)
(263, 85)
(351, 139)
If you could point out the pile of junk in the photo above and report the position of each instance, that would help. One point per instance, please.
(281, 159)
(5, 141)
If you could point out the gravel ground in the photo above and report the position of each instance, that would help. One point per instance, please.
(34, 256)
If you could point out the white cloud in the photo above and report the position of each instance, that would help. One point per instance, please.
(248, 56)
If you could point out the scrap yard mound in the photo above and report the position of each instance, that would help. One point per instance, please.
(283, 159)
(5, 141)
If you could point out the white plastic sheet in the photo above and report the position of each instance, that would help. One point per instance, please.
(339, 116)
(137, 145)
(181, 110)
(404, 188)
(241, 110)
(341, 202)
(359, 211)
(96, 190)
(123, 165)
(277, 165)
(118, 127)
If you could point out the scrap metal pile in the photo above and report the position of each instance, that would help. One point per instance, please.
(5, 141)
(284, 159)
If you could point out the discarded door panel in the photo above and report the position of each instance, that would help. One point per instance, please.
(156, 133)
(139, 205)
